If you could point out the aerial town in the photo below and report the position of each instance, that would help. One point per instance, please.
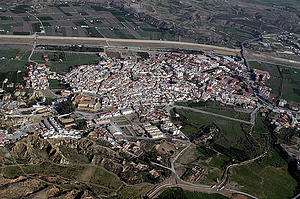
(143, 99)
(144, 88)
(120, 101)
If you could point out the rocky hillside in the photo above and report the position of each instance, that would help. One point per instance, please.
(67, 168)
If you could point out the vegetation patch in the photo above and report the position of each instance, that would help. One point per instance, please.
(122, 34)
(102, 177)
(73, 155)
(134, 192)
(20, 9)
(56, 84)
(21, 33)
(11, 171)
(59, 7)
(267, 178)
(6, 18)
(288, 77)
(45, 18)
(178, 193)
(36, 27)
(93, 32)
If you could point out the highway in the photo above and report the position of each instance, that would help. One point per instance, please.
(143, 44)
(117, 42)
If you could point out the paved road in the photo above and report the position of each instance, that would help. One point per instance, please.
(42, 25)
(32, 51)
(213, 114)
(225, 176)
(253, 114)
(194, 187)
(178, 182)
(177, 156)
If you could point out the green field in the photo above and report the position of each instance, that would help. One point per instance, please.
(92, 32)
(116, 13)
(178, 193)
(259, 130)
(291, 82)
(193, 121)
(230, 140)
(10, 63)
(122, 34)
(55, 84)
(268, 178)
(135, 191)
(110, 181)
(218, 108)
(69, 60)
(7, 27)
(240, 36)
(73, 59)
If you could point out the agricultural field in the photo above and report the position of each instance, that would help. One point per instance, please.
(61, 62)
(13, 65)
(78, 21)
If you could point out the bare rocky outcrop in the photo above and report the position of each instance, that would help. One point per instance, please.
(27, 151)
(56, 156)
(23, 151)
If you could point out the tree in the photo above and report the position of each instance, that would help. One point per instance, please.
(65, 107)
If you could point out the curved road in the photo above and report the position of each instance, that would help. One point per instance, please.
(225, 176)
(190, 186)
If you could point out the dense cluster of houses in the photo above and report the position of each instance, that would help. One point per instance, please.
(7, 138)
(111, 133)
(146, 86)
(285, 119)
(51, 128)
(166, 78)
(37, 77)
